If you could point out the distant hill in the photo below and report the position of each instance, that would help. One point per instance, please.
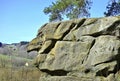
(17, 49)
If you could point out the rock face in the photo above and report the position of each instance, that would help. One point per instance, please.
(78, 50)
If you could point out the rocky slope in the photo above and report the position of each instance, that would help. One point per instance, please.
(78, 50)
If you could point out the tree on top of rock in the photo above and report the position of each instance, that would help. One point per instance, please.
(69, 8)
(78, 8)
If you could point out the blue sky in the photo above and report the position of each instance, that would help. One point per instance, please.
(21, 19)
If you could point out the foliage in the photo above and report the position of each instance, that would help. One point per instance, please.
(0, 44)
(70, 8)
(113, 8)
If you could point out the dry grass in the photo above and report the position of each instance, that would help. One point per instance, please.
(9, 71)
(19, 74)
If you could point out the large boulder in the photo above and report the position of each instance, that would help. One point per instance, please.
(78, 50)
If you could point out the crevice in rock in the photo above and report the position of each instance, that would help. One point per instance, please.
(111, 60)
(113, 26)
(55, 72)
(92, 44)
(92, 21)
(97, 34)
(118, 37)
(58, 26)
(118, 60)
(87, 70)
(48, 49)
(65, 33)
(80, 24)
(104, 72)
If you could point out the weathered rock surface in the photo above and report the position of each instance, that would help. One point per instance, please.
(79, 50)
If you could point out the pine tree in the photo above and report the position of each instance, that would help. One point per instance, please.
(69, 8)
(113, 8)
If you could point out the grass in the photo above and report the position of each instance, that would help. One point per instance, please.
(6, 60)
(12, 68)
(21, 74)
(7, 57)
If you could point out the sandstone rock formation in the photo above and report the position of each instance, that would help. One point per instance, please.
(79, 50)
